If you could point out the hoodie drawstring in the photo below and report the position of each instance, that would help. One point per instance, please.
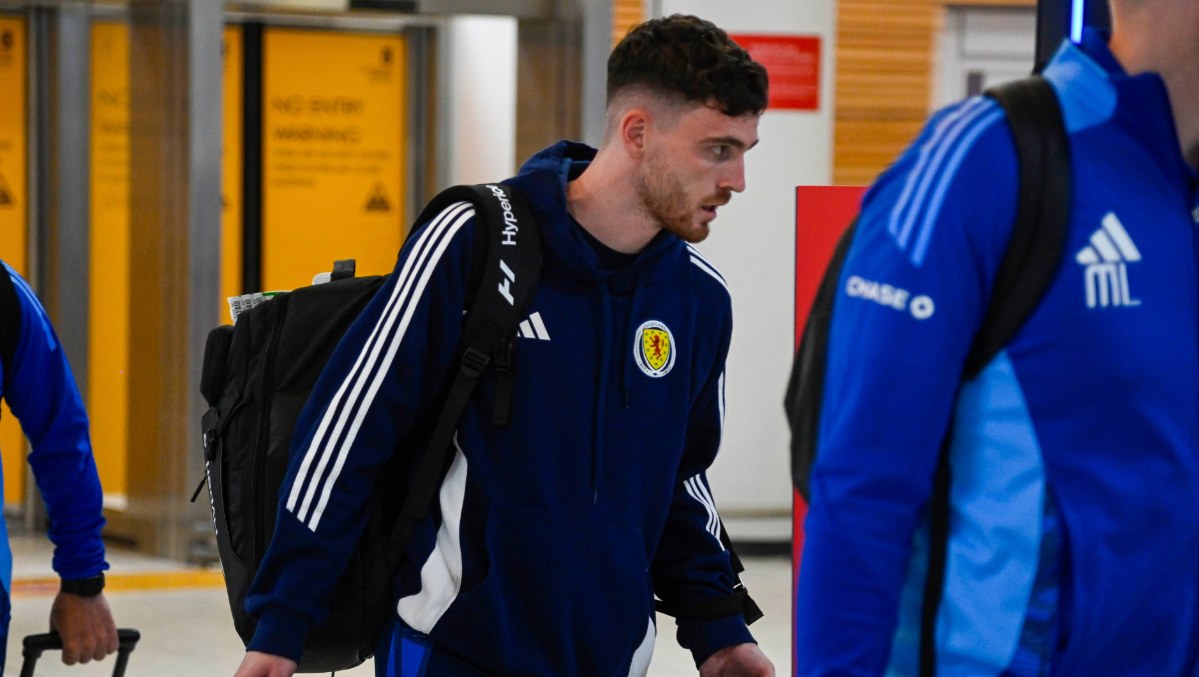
(597, 455)
(626, 385)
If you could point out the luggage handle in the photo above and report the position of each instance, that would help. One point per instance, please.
(36, 644)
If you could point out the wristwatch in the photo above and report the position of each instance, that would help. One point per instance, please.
(83, 587)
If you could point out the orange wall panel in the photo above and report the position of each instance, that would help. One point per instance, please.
(231, 168)
(625, 15)
(109, 306)
(885, 51)
(333, 153)
(14, 215)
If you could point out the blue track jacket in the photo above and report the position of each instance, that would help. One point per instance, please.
(1074, 537)
(550, 535)
(41, 393)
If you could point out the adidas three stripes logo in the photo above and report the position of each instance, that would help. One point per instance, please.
(1105, 262)
(534, 328)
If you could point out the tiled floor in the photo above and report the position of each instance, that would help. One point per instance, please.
(186, 631)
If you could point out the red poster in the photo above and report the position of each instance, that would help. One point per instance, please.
(821, 214)
(793, 64)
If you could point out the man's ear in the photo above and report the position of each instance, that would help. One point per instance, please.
(634, 126)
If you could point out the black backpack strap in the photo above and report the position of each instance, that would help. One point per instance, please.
(1039, 237)
(736, 602)
(748, 607)
(10, 324)
(511, 270)
(507, 281)
(1029, 265)
(805, 389)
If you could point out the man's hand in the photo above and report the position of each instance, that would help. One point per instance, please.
(257, 664)
(86, 627)
(740, 660)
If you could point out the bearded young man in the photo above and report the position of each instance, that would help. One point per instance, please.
(552, 535)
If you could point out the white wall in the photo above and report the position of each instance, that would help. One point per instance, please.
(753, 245)
(983, 46)
(477, 100)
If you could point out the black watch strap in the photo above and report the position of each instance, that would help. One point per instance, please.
(83, 587)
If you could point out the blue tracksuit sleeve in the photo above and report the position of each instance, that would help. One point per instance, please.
(43, 396)
(383, 377)
(692, 564)
(912, 294)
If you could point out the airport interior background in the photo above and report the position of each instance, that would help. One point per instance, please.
(158, 157)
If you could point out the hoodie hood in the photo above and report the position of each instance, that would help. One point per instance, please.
(543, 180)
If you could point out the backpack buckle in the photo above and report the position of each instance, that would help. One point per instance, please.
(503, 356)
(474, 361)
(210, 423)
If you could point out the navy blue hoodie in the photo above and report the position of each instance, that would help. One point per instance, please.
(551, 535)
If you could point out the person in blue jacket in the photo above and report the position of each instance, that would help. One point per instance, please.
(552, 535)
(40, 391)
(1073, 543)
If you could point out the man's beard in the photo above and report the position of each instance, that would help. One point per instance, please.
(665, 200)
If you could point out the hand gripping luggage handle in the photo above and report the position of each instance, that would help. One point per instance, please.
(36, 644)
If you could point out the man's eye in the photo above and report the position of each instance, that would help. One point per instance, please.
(720, 152)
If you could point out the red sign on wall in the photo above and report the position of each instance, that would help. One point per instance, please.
(793, 64)
(822, 213)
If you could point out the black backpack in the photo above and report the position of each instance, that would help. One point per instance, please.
(10, 325)
(1029, 265)
(257, 376)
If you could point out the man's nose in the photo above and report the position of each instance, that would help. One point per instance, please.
(734, 180)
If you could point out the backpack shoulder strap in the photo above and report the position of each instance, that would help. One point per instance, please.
(511, 270)
(804, 398)
(10, 322)
(1032, 259)
(1042, 216)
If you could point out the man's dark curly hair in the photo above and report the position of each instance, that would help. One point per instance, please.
(690, 58)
